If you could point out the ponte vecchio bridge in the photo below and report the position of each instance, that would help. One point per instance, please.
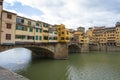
(51, 50)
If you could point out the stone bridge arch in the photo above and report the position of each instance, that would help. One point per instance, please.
(74, 48)
(37, 51)
(52, 50)
(41, 52)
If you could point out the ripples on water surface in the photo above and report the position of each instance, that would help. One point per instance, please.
(90, 66)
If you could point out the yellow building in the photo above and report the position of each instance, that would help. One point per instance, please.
(104, 36)
(86, 40)
(53, 35)
(28, 31)
(81, 29)
(97, 31)
(89, 34)
(71, 35)
(25, 30)
(38, 32)
(63, 33)
(118, 34)
(78, 36)
(45, 32)
(98, 35)
(81, 37)
(110, 36)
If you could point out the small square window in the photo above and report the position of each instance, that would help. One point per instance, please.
(8, 36)
(8, 25)
(9, 16)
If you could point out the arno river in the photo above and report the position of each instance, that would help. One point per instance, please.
(89, 66)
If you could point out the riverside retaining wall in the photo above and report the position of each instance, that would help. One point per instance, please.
(9, 75)
(104, 48)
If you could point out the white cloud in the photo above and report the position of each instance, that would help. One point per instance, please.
(11, 2)
(72, 13)
(20, 14)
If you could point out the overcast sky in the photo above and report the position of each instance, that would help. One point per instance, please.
(72, 13)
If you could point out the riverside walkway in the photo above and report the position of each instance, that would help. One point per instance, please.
(9, 75)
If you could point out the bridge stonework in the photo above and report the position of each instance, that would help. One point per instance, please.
(58, 50)
(85, 48)
(80, 48)
(53, 50)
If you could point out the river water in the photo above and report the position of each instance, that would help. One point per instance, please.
(89, 66)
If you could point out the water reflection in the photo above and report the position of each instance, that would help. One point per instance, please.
(93, 72)
(94, 67)
(15, 59)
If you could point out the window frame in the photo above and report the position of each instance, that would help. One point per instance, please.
(8, 36)
(8, 25)
(9, 16)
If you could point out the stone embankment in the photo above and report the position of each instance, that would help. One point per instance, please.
(9, 75)
(104, 48)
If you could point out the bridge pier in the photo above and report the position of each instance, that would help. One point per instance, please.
(61, 51)
(85, 48)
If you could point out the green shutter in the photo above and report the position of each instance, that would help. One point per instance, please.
(36, 29)
(30, 29)
(37, 24)
(24, 28)
(36, 37)
(22, 20)
(40, 30)
(40, 37)
(16, 27)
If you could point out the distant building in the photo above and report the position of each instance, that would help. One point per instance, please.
(89, 34)
(81, 29)
(117, 34)
(117, 24)
(104, 36)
